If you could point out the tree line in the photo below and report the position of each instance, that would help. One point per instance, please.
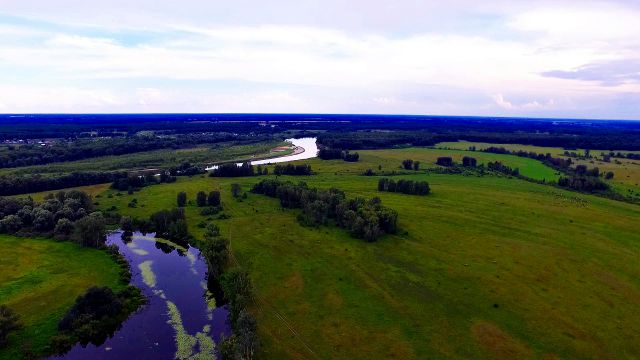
(135, 182)
(26, 184)
(290, 169)
(233, 170)
(366, 219)
(327, 153)
(409, 187)
(78, 149)
(64, 215)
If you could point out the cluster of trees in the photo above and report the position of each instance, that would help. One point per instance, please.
(202, 199)
(9, 322)
(186, 169)
(409, 187)
(244, 343)
(620, 155)
(583, 183)
(290, 169)
(65, 215)
(558, 163)
(469, 161)
(409, 164)
(233, 170)
(238, 292)
(95, 316)
(444, 161)
(26, 184)
(498, 166)
(170, 224)
(135, 182)
(366, 219)
(327, 153)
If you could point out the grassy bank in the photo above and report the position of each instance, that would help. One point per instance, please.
(40, 279)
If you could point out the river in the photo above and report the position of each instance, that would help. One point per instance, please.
(181, 319)
(305, 148)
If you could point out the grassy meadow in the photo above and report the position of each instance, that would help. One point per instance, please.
(40, 279)
(484, 267)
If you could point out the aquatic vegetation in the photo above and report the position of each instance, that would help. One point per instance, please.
(148, 275)
(185, 342)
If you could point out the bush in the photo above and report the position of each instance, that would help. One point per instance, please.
(236, 189)
(63, 230)
(181, 199)
(214, 198)
(404, 186)
(91, 231)
(445, 161)
(201, 199)
(9, 322)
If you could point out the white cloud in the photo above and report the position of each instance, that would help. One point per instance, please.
(184, 64)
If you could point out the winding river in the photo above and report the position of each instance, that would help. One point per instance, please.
(181, 320)
(304, 148)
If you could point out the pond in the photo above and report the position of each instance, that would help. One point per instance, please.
(304, 148)
(182, 320)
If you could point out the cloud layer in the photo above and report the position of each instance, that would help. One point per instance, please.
(557, 59)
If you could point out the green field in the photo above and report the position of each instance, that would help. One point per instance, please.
(483, 268)
(627, 172)
(40, 279)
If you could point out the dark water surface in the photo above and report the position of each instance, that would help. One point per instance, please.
(180, 321)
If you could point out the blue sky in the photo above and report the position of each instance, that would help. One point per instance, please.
(499, 58)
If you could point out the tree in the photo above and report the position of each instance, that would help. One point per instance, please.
(236, 189)
(10, 224)
(407, 164)
(9, 321)
(609, 175)
(216, 252)
(63, 230)
(91, 231)
(126, 224)
(468, 161)
(445, 161)
(416, 165)
(246, 329)
(201, 199)
(182, 199)
(43, 220)
(214, 198)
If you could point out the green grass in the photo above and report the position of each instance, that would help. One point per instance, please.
(40, 279)
(490, 267)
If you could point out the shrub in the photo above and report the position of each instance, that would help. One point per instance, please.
(9, 322)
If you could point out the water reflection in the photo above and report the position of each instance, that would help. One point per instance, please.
(185, 315)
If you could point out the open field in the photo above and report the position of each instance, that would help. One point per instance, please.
(489, 267)
(40, 279)
(157, 158)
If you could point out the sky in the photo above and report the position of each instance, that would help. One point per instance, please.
(569, 59)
